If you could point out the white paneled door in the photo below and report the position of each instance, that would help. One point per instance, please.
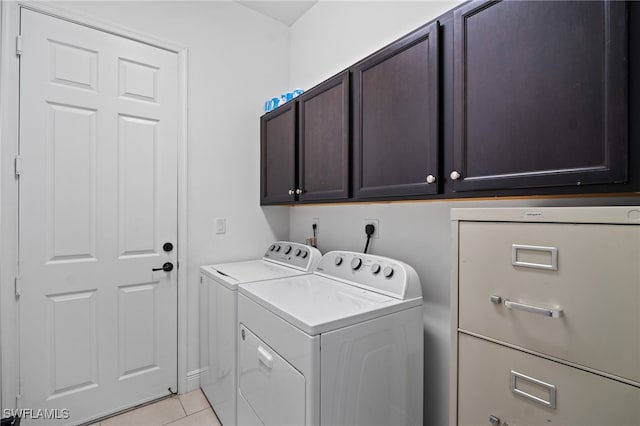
(98, 202)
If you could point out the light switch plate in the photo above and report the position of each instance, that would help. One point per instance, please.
(221, 225)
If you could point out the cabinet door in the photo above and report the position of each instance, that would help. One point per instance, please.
(540, 94)
(278, 155)
(323, 158)
(396, 118)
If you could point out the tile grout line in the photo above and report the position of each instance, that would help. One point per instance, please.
(183, 410)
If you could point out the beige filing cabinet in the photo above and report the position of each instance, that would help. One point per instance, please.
(545, 316)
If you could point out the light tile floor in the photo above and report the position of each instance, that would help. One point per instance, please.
(189, 409)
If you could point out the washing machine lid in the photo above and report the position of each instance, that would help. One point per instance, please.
(233, 274)
(317, 304)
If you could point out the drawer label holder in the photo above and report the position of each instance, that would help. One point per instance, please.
(552, 251)
(550, 402)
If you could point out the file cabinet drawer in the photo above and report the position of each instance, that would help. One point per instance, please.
(571, 291)
(515, 388)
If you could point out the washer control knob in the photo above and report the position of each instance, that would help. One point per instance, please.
(304, 254)
(298, 251)
(277, 247)
(388, 271)
(356, 263)
(375, 268)
(338, 260)
(272, 248)
(287, 250)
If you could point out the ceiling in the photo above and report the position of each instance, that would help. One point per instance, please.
(284, 11)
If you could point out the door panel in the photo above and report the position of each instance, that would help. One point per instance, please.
(138, 146)
(71, 145)
(324, 152)
(560, 69)
(278, 155)
(138, 81)
(98, 138)
(396, 98)
(138, 329)
(73, 347)
(73, 66)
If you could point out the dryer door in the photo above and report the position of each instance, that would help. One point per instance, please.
(273, 388)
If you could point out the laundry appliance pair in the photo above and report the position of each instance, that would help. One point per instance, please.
(296, 339)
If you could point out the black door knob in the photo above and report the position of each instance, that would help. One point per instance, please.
(167, 267)
(167, 247)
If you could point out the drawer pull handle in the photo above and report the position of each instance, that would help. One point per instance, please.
(553, 253)
(551, 402)
(547, 312)
(265, 357)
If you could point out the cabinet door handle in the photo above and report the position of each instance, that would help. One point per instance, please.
(455, 175)
(551, 402)
(291, 192)
(299, 191)
(431, 179)
(546, 312)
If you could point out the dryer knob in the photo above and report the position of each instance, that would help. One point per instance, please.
(388, 271)
(287, 250)
(338, 260)
(356, 263)
(298, 251)
(304, 254)
(375, 268)
(277, 247)
(272, 248)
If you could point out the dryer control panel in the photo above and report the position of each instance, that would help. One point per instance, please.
(376, 273)
(296, 255)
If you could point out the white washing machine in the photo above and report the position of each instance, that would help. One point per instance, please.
(218, 316)
(342, 346)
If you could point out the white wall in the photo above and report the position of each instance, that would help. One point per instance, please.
(329, 38)
(237, 59)
(333, 35)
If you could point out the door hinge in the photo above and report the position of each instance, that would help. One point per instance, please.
(19, 45)
(18, 165)
(18, 286)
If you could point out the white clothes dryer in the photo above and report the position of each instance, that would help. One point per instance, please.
(342, 346)
(218, 316)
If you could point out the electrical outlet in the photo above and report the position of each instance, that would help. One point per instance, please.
(374, 222)
(315, 221)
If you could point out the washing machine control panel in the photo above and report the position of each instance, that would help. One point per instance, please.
(298, 255)
(380, 274)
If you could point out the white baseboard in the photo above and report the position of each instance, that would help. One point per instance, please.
(193, 380)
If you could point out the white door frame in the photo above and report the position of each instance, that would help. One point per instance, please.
(9, 128)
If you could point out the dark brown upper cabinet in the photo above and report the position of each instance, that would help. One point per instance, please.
(395, 116)
(323, 137)
(278, 155)
(540, 94)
